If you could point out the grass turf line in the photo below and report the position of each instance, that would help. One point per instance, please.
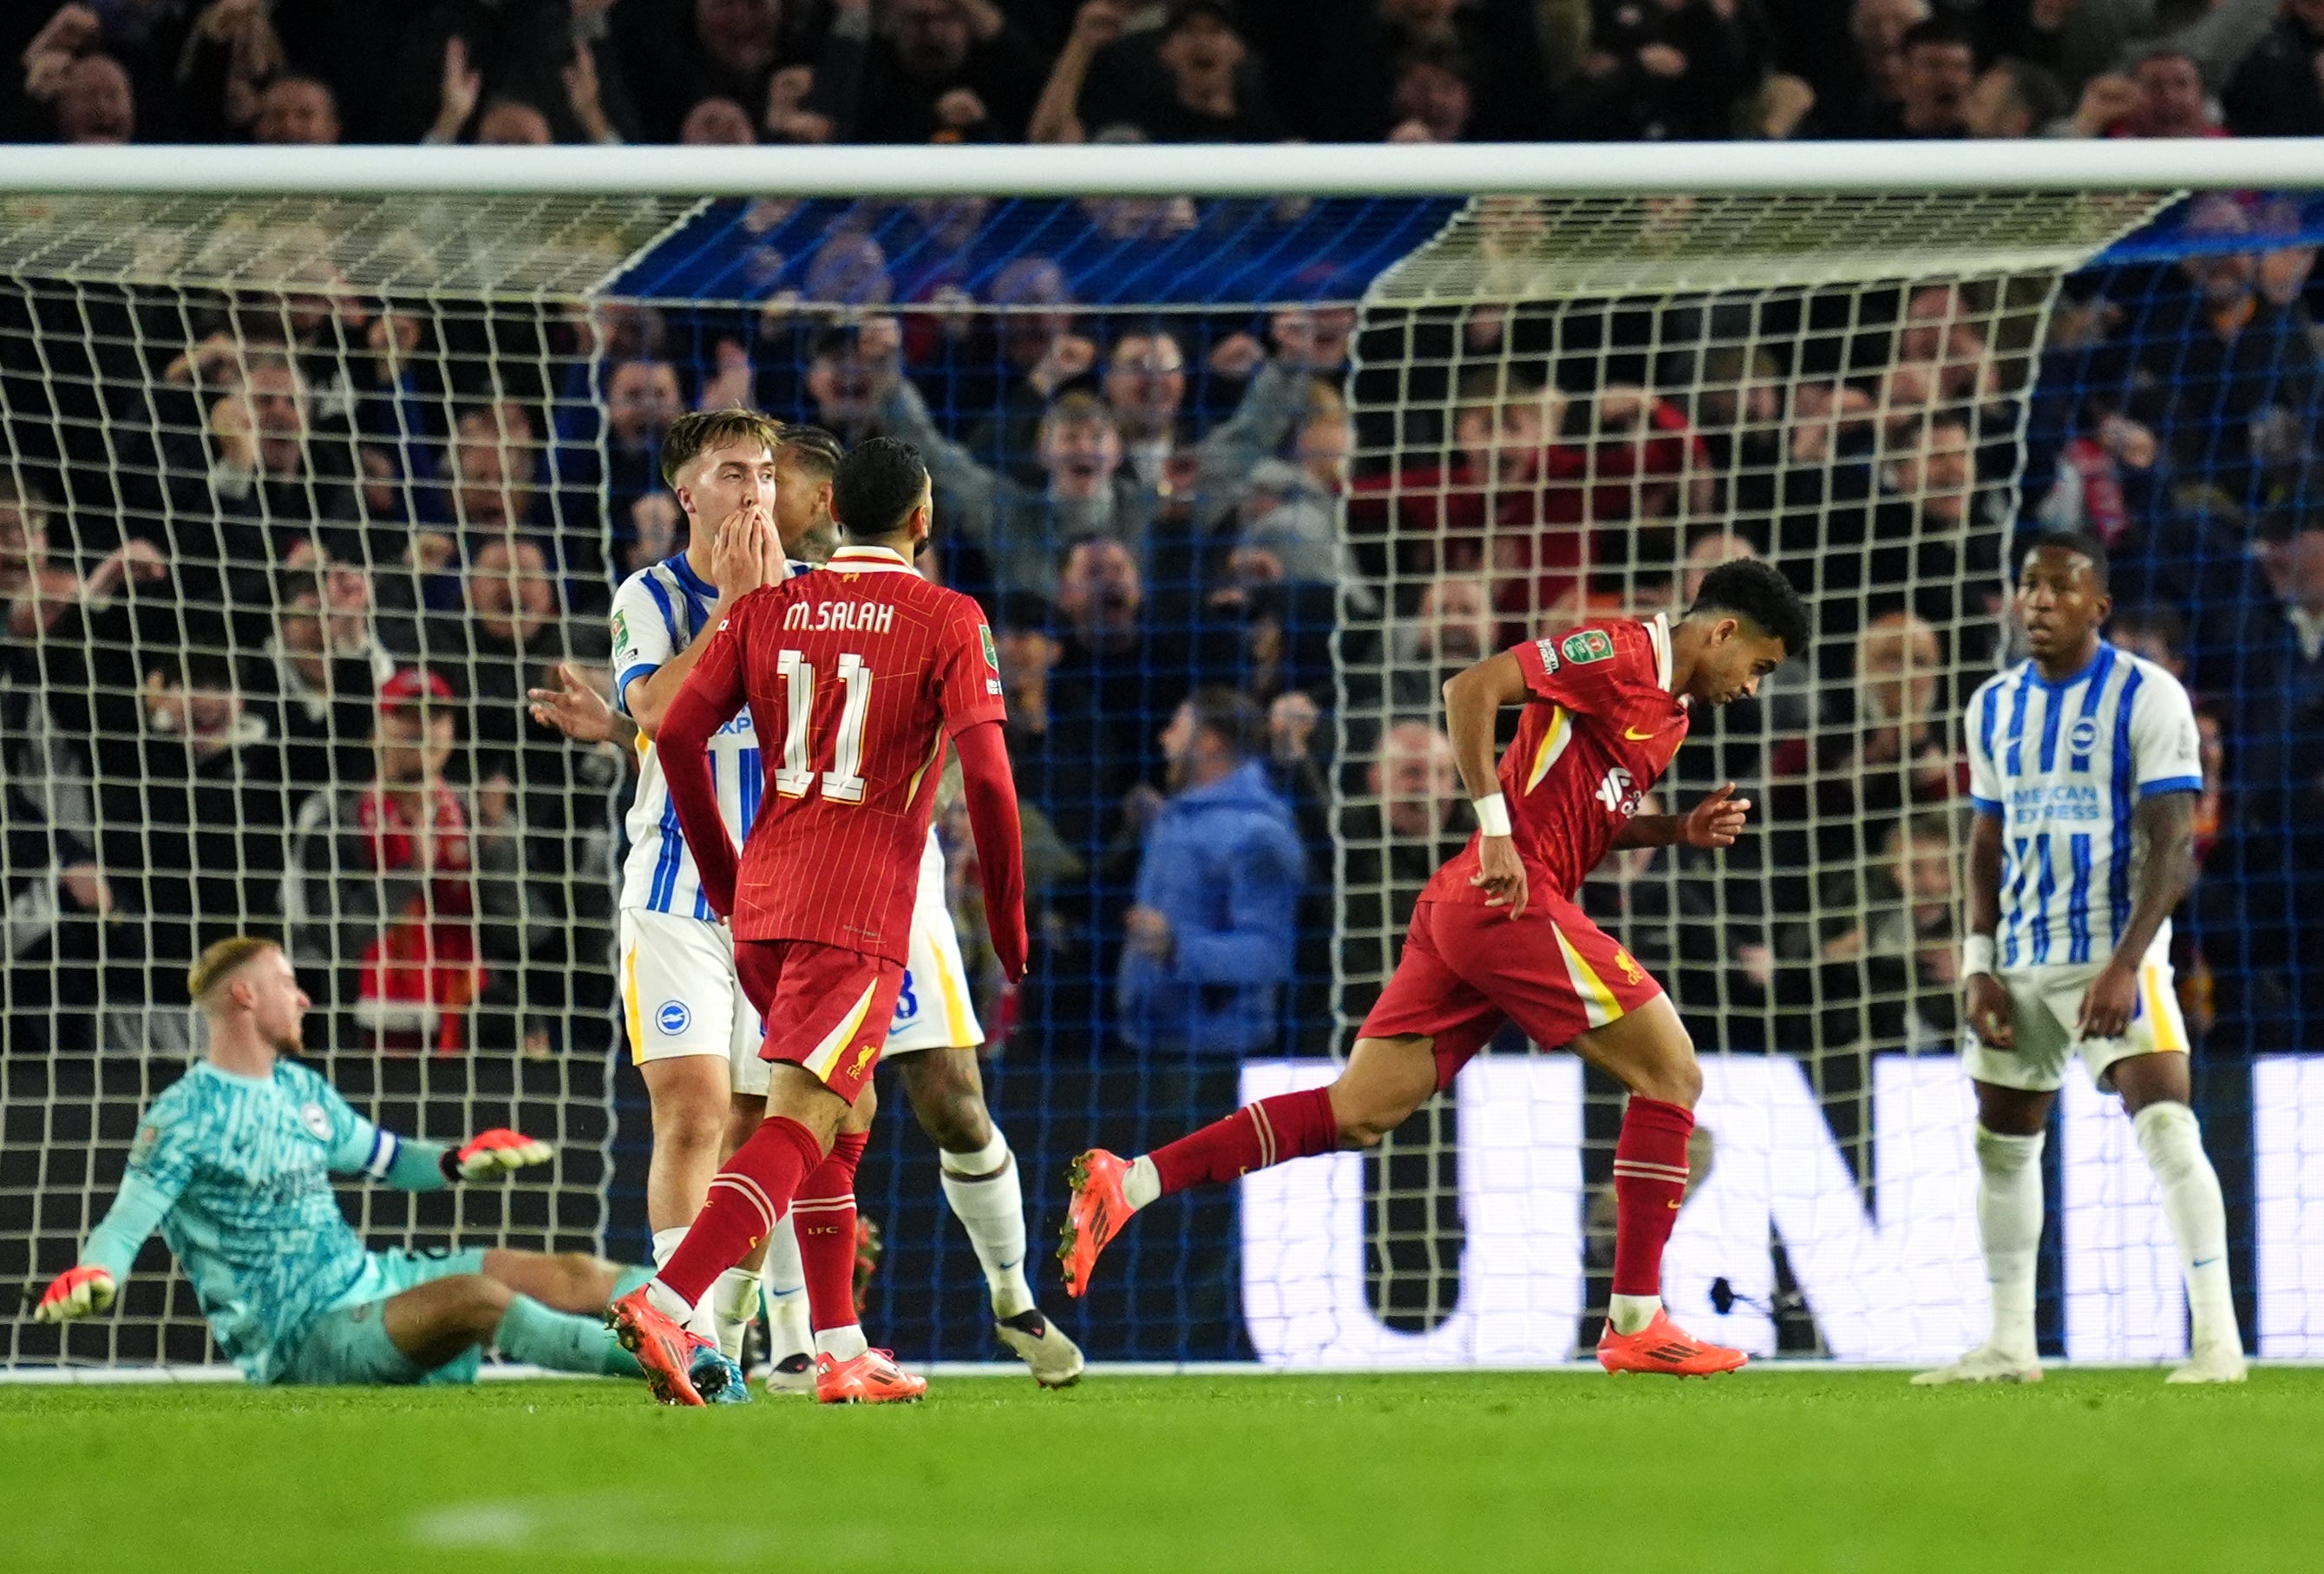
(1846, 1472)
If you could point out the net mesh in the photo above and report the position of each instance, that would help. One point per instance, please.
(1315, 454)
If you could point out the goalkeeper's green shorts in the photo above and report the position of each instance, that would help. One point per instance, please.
(348, 1345)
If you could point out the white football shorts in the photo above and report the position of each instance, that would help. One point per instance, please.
(2045, 1001)
(679, 995)
(933, 1010)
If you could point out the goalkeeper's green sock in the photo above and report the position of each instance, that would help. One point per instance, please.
(560, 1341)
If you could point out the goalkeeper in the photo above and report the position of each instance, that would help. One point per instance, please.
(233, 1164)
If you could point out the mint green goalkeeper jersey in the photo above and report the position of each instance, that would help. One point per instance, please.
(236, 1172)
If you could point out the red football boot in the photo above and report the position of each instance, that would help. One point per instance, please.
(1662, 1345)
(663, 1348)
(1094, 1217)
(870, 1379)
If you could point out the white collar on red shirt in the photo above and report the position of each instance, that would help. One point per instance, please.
(1658, 635)
(869, 559)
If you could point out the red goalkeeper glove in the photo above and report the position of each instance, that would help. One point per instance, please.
(75, 1293)
(493, 1154)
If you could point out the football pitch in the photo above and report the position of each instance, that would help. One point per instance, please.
(1787, 1471)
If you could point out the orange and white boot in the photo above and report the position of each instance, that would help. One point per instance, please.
(1095, 1215)
(870, 1379)
(1662, 1345)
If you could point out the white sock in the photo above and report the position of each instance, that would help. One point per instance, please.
(668, 1302)
(1143, 1183)
(2172, 1140)
(2009, 1222)
(733, 1306)
(989, 1200)
(789, 1332)
(841, 1344)
(1630, 1313)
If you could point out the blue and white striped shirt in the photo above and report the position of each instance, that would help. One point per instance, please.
(2063, 766)
(657, 613)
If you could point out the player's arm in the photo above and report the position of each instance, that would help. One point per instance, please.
(989, 788)
(745, 553)
(2162, 835)
(2167, 757)
(1473, 700)
(1715, 821)
(414, 1164)
(1985, 1000)
(160, 1162)
(574, 707)
(712, 693)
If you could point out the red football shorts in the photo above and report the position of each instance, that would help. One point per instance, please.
(824, 1008)
(1467, 969)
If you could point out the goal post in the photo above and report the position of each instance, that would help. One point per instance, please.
(385, 423)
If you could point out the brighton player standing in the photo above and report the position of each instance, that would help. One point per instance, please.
(233, 1164)
(858, 673)
(2084, 771)
(692, 1033)
(933, 1039)
(1496, 937)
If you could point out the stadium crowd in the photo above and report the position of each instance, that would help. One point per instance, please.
(728, 72)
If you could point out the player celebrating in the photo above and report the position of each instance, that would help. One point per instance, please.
(933, 1038)
(860, 671)
(2083, 769)
(1496, 936)
(234, 1165)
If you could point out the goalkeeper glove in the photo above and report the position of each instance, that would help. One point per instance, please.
(75, 1293)
(492, 1154)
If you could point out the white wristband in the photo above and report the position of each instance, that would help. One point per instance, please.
(1977, 955)
(1493, 815)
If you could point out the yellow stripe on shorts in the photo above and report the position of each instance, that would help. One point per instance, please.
(2162, 1010)
(1598, 1002)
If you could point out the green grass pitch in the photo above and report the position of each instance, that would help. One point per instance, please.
(1801, 1473)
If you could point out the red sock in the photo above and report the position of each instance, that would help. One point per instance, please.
(825, 1217)
(747, 1200)
(1649, 1183)
(1289, 1125)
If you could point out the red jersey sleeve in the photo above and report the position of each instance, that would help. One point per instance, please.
(707, 700)
(968, 672)
(1592, 670)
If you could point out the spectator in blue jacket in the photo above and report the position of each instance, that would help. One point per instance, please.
(1210, 941)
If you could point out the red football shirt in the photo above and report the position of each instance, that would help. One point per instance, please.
(1601, 727)
(854, 676)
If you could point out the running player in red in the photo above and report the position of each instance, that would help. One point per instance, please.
(854, 677)
(1496, 937)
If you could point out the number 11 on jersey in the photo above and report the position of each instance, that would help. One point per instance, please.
(843, 782)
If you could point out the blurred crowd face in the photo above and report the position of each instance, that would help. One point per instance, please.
(2299, 571)
(2225, 278)
(1896, 669)
(1934, 86)
(1322, 449)
(1879, 27)
(296, 112)
(738, 34)
(1993, 108)
(1415, 779)
(1146, 383)
(720, 480)
(415, 744)
(1921, 862)
(509, 123)
(95, 103)
(717, 121)
(1100, 589)
(1501, 443)
(1201, 54)
(641, 399)
(1719, 546)
(932, 37)
(1081, 454)
(1456, 621)
(205, 716)
(509, 592)
(491, 467)
(1433, 99)
(1026, 657)
(656, 527)
(1940, 473)
(2174, 105)
(277, 397)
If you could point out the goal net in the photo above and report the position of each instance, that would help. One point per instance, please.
(301, 495)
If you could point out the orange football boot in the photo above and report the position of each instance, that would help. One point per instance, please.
(870, 1379)
(1662, 1345)
(663, 1348)
(1094, 1217)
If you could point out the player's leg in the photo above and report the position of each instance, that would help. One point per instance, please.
(2153, 1076)
(823, 1219)
(433, 1324)
(2015, 1088)
(979, 1174)
(781, 1281)
(732, 1303)
(1428, 1022)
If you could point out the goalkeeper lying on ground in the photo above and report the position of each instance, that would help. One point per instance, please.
(232, 1163)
